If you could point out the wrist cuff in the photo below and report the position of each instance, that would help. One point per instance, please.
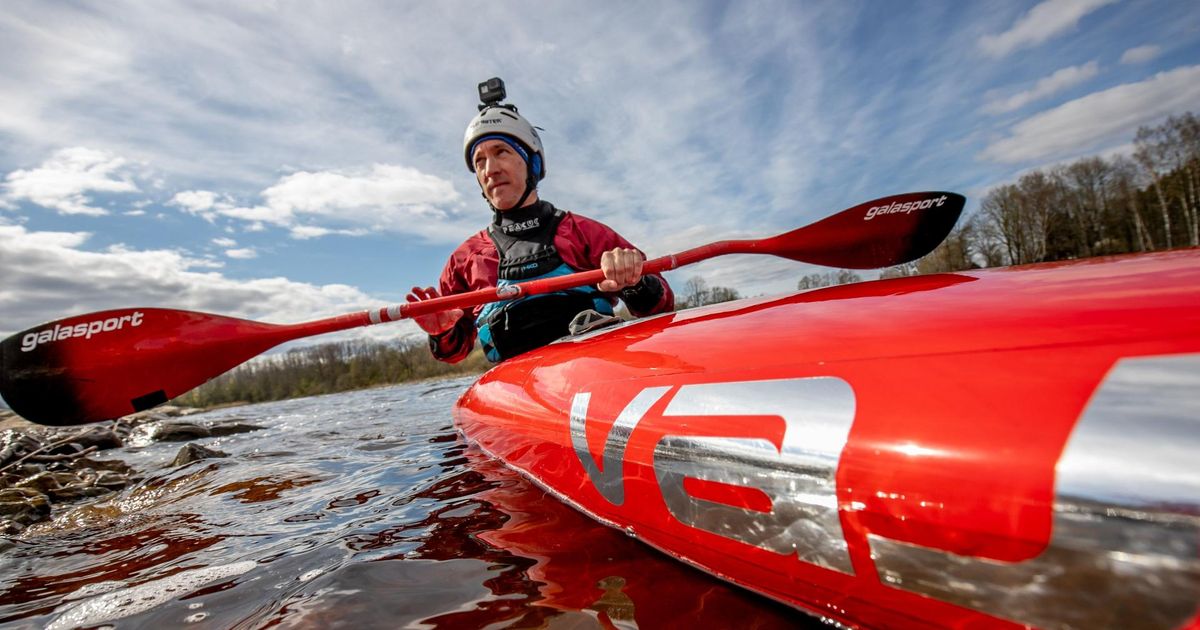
(643, 295)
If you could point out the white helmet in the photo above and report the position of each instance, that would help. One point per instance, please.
(505, 122)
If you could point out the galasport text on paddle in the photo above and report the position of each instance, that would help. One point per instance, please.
(108, 364)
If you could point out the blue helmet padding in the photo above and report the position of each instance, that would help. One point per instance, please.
(536, 164)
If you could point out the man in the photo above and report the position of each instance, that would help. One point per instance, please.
(528, 238)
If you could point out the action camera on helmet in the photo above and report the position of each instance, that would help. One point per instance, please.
(491, 92)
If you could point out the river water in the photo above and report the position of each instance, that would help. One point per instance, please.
(361, 510)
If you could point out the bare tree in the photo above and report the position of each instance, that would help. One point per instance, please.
(1089, 191)
(697, 292)
(1008, 211)
(722, 294)
(1184, 133)
(902, 270)
(957, 252)
(1152, 153)
(1001, 208)
(828, 279)
(1125, 187)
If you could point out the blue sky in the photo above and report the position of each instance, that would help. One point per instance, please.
(285, 161)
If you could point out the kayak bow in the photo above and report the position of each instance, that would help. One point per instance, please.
(992, 448)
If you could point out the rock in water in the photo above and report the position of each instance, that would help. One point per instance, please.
(221, 429)
(194, 452)
(173, 431)
(20, 507)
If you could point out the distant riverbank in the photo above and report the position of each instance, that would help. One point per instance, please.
(42, 468)
(327, 369)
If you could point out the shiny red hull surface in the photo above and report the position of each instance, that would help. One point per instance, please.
(998, 448)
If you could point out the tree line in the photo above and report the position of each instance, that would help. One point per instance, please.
(1147, 201)
(1095, 206)
(325, 369)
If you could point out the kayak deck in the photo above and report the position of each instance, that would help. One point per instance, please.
(996, 447)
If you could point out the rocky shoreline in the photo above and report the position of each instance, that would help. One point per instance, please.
(42, 468)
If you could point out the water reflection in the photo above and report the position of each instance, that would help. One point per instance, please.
(426, 532)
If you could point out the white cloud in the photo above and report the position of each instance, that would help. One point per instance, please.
(210, 206)
(305, 232)
(1042, 22)
(226, 107)
(382, 186)
(224, 242)
(55, 54)
(65, 180)
(49, 275)
(1100, 119)
(223, 103)
(196, 202)
(1045, 87)
(1140, 54)
(256, 214)
(242, 253)
(384, 197)
(346, 202)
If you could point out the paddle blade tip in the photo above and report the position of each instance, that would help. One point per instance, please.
(883, 232)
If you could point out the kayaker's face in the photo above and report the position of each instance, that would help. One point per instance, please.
(501, 174)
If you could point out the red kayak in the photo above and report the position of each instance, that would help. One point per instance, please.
(995, 448)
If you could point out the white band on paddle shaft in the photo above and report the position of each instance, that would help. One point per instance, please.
(386, 314)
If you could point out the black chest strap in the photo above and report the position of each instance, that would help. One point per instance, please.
(524, 239)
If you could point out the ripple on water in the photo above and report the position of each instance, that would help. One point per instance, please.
(128, 601)
(361, 510)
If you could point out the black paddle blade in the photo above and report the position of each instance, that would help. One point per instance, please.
(109, 364)
(880, 233)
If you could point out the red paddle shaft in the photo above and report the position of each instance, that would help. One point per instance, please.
(472, 299)
(880, 233)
